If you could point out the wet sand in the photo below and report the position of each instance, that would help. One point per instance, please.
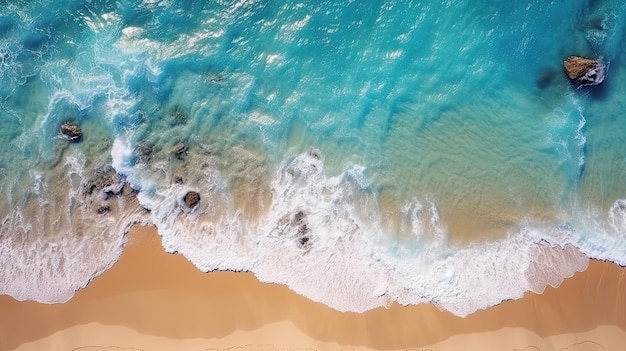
(151, 300)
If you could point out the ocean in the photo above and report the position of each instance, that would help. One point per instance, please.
(360, 152)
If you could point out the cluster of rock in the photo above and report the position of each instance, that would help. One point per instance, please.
(180, 151)
(584, 71)
(297, 225)
(106, 182)
(143, 151)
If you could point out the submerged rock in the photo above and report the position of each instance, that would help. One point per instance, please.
(299, 218)
(191, 199)
(545, 78)
(178, 179)
(304, 242)
(104, 209)
(143, 151)
(71, 131)
(105, 180)
(584, 71)
(180, 151)
(303, 232)
(105, 191)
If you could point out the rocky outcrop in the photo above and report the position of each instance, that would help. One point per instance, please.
(584, 71)
(191, 199)
(180, 151)
(296, 225)
(103, 209)
(303, 234)
(104, 191)
(105, 181)
(143, 151)
(71, 132)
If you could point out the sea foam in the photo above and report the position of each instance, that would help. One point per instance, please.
(314, 240)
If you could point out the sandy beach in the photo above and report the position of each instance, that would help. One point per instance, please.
(152, 300)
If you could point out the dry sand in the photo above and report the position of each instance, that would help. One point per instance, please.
(151, 300)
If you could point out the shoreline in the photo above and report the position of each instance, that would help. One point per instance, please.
(158, 295)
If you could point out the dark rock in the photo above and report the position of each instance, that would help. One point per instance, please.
(104, 209)
(191, 199)
(303, 229)
(304, 242)
(299, 221)
(71, 132)
(216, 79)
(180, 151)
(315, 154)
(115, 187)
(143, 151)
(298, 218)
(178, 179)
(105, 180)
(584, 71)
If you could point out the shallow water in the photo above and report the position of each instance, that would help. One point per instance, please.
(386, 150)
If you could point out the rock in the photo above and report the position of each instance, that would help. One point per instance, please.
(180, 151)
(304, 242)
(115, 187)
(106, 181)
(303, 232)
(584, 71)
(299, 218)
(104, 209)
(576, 66)
(178, 179)
(191, 199)
(143, 151)
(71, 132)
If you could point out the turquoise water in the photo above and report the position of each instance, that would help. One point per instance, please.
(403, 149)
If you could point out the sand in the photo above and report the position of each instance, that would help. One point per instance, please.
(151, 300)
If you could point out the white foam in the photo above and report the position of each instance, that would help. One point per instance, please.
(211, 234)
(425, 220)
(121, 156)
(50, 271)
(594, 75)
(50, 245)
(345, 261)
(349, 266)
(601, 241)
(550, 267)
(335, 265)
